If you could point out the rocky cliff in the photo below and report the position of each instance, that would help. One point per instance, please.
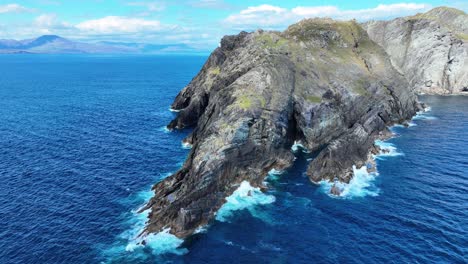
(321, 83)
(430, 49)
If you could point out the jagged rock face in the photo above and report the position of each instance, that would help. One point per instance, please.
(430, 49)
(322, 83)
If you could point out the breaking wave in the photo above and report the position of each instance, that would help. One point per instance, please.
(296, 147)
(159, 243)
(274, 175)
(361, 185)
(387, 150)
(130, 245)
(424, 115)
(245, 197)
(165, 130)
(186, 145)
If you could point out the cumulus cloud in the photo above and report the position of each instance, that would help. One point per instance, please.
(262, 15)
(116, 25)
(276, 17)
(13, 8)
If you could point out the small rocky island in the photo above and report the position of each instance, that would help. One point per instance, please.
(327, 85)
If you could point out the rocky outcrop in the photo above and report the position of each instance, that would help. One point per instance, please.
(321, 83)
(430, 49)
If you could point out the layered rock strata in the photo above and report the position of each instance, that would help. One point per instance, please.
(430, 49)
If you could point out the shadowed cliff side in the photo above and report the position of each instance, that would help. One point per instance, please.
(430, 49)
(321, 83)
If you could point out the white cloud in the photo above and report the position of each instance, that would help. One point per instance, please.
(262, 9)
(381, 11)
(116, 25)
(46, 20)
(51, 22)
(276, 17)
(211, 4)
(13, 8)
(150, 6)
(263, 15)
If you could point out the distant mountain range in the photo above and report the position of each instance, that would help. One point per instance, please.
(52, 44)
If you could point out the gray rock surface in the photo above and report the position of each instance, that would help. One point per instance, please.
(321, 83)
(430, 49)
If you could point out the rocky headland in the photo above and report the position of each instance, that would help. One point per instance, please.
(321, 83)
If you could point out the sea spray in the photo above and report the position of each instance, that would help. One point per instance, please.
(165, 130)
(130, 246)
(245, 197)
(361, 185)
(424, 115)
(387, 149)
(273, 175)
(297, 146)
(160, 243)
(186, 145)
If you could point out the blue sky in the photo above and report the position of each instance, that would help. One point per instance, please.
(197, 23)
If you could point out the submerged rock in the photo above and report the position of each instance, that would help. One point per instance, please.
(335, 190)
(430, 49)
(321, 82)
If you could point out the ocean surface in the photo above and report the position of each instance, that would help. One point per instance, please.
(82, 140)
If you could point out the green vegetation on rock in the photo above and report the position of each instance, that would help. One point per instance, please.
(360, 90)
(314, 99)
(462, 36)
(215, 71)
(249, 100)
(336, 31)
(245, 102)
(268, 40)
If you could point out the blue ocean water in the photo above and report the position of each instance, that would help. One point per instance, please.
(82, 140)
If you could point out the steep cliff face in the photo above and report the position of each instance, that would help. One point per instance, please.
(321, 83)
(430, 49)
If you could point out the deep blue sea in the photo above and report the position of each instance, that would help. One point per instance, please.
(82, 140)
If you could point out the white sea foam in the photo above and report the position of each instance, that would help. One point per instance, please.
(296, 147)
(130, 241)
(201, 230)
(165, 129)
(174, 110)
(186, 145)
(388, 149)
(245, 197)
(423, 115)
(274, 174)
(361, 185)
(160, 243)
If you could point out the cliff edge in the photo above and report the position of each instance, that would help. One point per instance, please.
(430, 49)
